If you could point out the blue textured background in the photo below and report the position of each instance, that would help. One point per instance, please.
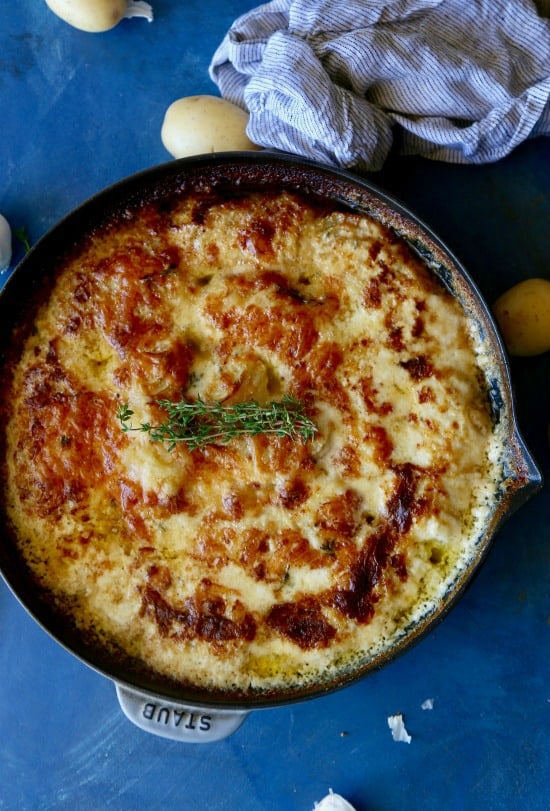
(79, 111)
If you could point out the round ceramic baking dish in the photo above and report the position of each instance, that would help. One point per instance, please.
(162, 707)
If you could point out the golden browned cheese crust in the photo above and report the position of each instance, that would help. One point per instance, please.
(267, 562)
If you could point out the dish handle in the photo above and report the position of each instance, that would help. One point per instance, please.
(176, 721)
(524, 475)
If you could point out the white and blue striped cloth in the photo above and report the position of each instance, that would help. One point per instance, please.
(341, 81)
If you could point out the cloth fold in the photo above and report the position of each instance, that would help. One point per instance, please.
(344, 81)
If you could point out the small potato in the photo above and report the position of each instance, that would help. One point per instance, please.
(89, 15)
(196, 125)
(523, 315)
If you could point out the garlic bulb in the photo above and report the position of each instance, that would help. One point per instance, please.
(5, 243)
(333, 802)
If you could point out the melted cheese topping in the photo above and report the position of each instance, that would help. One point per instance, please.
(265, 563)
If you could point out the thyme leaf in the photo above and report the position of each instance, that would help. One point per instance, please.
(21, 235)
(198, 423)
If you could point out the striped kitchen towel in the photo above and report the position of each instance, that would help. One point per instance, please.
(341, 81)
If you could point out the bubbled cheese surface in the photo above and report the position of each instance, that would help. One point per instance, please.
(266, 563)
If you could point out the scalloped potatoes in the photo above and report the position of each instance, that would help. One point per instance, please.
(265, 564)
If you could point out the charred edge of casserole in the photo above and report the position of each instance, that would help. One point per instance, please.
(98, 649)
(233, 181)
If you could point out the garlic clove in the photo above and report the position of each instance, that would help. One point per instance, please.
(333, 802)
(5, 243)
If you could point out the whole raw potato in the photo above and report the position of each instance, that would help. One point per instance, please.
(195, 125)
(89, 15)
(523, 315)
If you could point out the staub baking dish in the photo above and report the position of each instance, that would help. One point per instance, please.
(195, 713)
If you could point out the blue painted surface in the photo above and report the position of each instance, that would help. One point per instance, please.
(80, 111)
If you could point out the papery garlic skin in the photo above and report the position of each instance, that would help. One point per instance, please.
(398, 730)
(139, 8)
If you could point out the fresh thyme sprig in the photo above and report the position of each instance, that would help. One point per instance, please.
(198, 423)
(21, 235)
